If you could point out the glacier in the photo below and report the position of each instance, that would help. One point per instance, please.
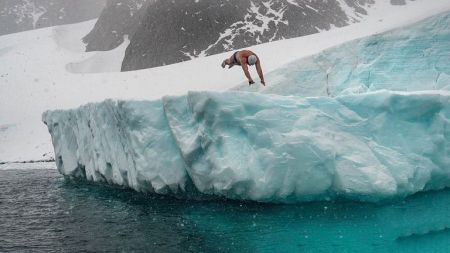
(267, 148)
(368, 120)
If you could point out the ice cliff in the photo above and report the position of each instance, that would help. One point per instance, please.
(261, 147)
(368, 120)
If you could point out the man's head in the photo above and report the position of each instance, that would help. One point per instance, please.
(251, 60)
(227, 62)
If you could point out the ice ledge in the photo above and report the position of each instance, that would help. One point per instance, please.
(266, 148)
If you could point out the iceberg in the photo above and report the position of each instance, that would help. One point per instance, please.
(367, 120)
(268, 148)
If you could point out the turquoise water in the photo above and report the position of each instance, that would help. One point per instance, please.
(41, 211)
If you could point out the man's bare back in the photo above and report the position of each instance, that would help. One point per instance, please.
(244, 58)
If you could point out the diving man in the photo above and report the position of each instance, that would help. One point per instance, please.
(244, 58)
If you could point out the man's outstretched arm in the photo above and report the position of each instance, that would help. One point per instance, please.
(260, 73)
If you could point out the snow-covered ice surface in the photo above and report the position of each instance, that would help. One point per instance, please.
(261, 147)
(34, 74)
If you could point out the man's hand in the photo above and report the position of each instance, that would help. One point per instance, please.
(250, 82)
(263, 82)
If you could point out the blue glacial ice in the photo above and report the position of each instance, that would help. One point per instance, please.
(243, 145)
(368, 120)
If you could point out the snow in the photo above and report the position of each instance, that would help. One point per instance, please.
(35, 77)
(93, 62)
(268, 148)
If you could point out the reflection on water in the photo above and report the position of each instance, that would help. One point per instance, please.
(39, 210)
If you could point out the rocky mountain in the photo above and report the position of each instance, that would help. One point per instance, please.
(22, 15)
(174, 31)
(165, 32)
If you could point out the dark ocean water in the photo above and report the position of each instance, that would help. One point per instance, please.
(40, 211)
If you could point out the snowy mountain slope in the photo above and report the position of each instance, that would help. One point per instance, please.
(183, 30)
(22, 15)
(36, 79)
(166, 32)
